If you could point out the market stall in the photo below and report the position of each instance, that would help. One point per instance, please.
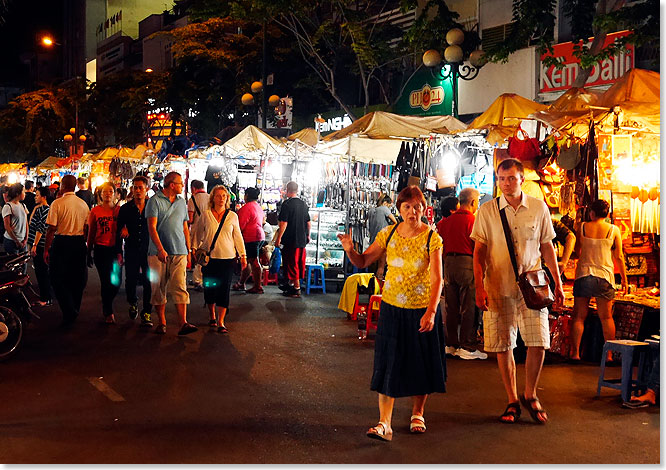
(608, 146)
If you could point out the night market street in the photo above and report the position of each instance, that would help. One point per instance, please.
(288, 384)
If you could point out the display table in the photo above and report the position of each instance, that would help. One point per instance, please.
(636, 317)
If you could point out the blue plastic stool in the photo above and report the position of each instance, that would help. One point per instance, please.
(314, 278)
(626, 384)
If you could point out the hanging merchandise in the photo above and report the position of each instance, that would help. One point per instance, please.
(523, 147)
(569, 156)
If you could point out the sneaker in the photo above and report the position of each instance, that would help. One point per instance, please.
(450, 350)
(465, 354)
(146, 321)
(133, 311)
(293, 293)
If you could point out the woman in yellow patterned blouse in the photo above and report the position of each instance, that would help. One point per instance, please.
(409, 344)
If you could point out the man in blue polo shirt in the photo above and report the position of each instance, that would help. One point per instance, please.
(169, 251)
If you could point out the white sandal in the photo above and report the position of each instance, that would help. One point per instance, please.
(381, 432)
(419, 426)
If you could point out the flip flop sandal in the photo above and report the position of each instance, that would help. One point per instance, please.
(238, 286)
(513, 411)
(380, 432)
(417, 424)
(212, 323)
(255, 291)
(534, 412)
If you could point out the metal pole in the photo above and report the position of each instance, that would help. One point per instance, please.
(454, 78)
(263, 77)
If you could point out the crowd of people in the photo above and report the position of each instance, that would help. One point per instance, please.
(463, 259)
(155, 239)
(466, 260)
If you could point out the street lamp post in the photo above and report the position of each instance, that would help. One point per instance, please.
(453, 67)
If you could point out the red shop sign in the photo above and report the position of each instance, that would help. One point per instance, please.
(604, 72)
(430, 214)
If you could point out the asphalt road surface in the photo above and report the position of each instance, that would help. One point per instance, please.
(288, 384)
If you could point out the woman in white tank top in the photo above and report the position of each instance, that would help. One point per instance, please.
(599, 243)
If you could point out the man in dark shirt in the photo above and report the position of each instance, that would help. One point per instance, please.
(84, 193)
(459, 288)
(29, 200)
(294, 234)
(133, 229)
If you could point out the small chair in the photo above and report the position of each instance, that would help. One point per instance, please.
(626, 348)
(314, 278)
(269, 278)
(373, 311)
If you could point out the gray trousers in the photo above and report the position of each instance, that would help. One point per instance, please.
(460, 300)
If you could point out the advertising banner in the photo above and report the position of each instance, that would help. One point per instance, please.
(604, 72)
(426, 95)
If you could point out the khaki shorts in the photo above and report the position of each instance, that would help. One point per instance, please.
(169, 277)
(507, 315)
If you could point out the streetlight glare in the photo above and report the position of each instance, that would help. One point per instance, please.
(47, 41)
(149, 70)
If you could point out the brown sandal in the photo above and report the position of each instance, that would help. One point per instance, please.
(512, 411)
(538, 414)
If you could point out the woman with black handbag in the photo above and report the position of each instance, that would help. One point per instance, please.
(220, 236)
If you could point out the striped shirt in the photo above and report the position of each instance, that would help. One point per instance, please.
(38, 224)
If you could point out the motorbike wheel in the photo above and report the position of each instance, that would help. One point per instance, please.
(11, 333)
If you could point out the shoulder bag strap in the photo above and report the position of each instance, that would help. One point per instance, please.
(196, 207)
(391, 234)
(509, 242)
(428, 244)
(217, 234)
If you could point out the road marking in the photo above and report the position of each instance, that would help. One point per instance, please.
(108, 392)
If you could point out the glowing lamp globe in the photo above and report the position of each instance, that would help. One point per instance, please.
(82, 138)
(453, 54)
(477, 59)
(68, 138)
(72, 131)
(431, 58)
(256, 87)
(247, 99)
(273, 100)
(455, 37)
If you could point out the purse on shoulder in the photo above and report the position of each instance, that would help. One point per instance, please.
(202, 256)
(534, 285)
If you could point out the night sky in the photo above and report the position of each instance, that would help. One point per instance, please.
(24, 21)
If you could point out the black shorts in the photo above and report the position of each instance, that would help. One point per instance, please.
(252, 249)
(592, 286)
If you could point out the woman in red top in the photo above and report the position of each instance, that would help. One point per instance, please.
(102, 247)
(251, 220)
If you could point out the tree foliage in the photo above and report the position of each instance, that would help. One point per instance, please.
(33, 121)
(534, 21)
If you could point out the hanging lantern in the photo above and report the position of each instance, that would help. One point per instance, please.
(455, 37)
(247, 99)
(256, 87)
(431, 58)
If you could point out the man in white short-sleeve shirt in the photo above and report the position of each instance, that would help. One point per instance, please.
(497, 292)
(65, 249)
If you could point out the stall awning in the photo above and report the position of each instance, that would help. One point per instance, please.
(251, 139)
(383, 125)
(575, 103)
(504, 115)
(308, 136)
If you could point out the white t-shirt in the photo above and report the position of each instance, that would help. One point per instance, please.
(68, 214)
(18, 219)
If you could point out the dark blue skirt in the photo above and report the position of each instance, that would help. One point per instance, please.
(407, 362)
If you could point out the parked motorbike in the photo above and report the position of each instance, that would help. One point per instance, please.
(15, 309)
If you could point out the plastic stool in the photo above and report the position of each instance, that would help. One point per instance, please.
(268, 277)
(626, 348)
(373, 311)
(314, 278)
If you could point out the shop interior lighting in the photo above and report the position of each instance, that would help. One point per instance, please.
(274, 170)
(313, 171)
(645, 175)
(12, 178)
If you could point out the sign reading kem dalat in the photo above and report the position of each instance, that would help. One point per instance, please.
(426, 95)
